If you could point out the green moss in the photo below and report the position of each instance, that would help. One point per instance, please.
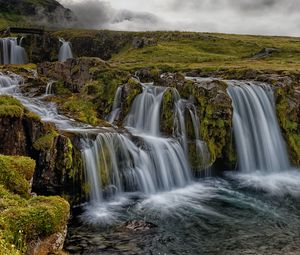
(60, 89)
(288, 120)
(80, 109)
(41, 217)
(167, 112)
(45, 142)
(33, 219)
(25, 220)
(33, 116)
(10, 107)
(15, 173)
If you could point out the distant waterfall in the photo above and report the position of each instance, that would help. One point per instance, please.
(260, 145)
(65, 51)
(12, 51)
(141, 159)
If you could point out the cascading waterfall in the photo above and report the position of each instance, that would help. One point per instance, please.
(12, 51)
(65, 51)
(259, 142)
(141, 159)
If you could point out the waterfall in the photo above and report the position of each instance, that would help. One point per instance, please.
(140, 159)
(48, 91)
(137, 159)
(12, 51)
(65, 51)
(9, 85)
(114, 115)
(259, 142)
(183, 108)
(145, 111)
(114, 163)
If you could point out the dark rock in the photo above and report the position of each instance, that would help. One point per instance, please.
(265, 52)
(139, 225)
(139, 43)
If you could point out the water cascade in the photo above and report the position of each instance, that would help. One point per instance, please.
(49, 91)
(216, 215)
(65, 51)
(114, 115)
(141, 159)
(260, 145)
(12, 51)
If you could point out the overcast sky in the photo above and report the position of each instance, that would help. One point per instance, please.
(271, 17)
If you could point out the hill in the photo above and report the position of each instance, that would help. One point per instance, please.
(48, 13)
(184, 51)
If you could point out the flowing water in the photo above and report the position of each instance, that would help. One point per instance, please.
(139, 175)
(259, 141)
(12, 52)
(65, 51)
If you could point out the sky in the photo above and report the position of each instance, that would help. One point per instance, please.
(268, 17)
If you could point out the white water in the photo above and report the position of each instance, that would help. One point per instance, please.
(141, 159)
(12, 52)
(49, 89)
(259, 142)
(116, 109)
(65, 51)
(9, 85)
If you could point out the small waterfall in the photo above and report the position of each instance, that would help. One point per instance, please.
(12, 51)
(260, 145)
(65, 51)
(116, 110)
(183, 108)
(9, 85)
(145, 111)
(49, 91)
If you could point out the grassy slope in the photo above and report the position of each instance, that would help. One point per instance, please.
(186, 51)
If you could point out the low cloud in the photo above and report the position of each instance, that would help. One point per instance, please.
(276, 17)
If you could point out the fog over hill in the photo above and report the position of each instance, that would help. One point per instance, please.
(275, 17)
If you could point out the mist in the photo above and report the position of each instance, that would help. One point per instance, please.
(269, 17)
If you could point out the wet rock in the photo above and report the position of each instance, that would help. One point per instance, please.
(148, 75)
(138, 225)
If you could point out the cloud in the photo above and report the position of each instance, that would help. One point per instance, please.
(229, 16)
(97, 14)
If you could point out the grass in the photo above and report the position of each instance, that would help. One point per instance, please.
(187, 51)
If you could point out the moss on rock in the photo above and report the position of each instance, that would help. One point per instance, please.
(15, 174)
(287, 107)
(10, 107)
(25, 219)
(45, 142)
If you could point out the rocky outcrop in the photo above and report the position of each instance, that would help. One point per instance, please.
(58, 164)
(74, 73)
(215, 113)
